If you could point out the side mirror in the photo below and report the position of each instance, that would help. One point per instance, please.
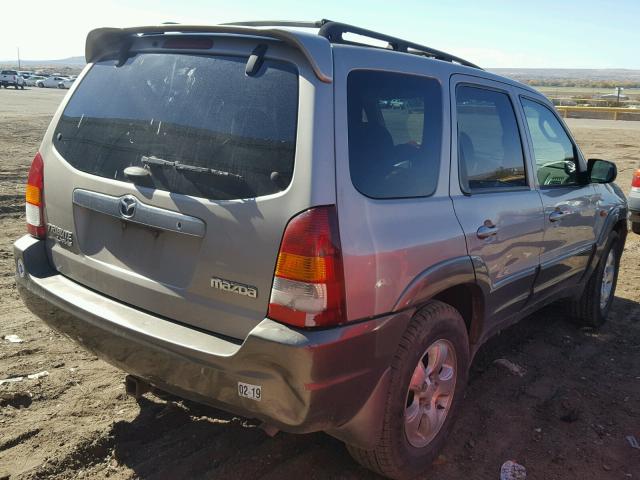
(601, 171)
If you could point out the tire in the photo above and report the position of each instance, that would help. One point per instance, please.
(41, 85)
(590, 309)
(635, 227)
(395, 454)
(21, 87)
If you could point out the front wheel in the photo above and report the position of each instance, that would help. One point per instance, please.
(635, 227)
(593, 306)
(428, 378)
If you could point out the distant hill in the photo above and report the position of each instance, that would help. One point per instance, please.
(530, 75)
(587, 74)
(63, 62)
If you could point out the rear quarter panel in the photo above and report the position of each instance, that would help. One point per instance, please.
(388, 243)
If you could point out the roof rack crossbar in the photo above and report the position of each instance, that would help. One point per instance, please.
(334, 31)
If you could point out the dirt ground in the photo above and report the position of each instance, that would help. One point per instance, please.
(567, 417)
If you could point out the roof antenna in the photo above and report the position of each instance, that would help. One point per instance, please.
(256, 59)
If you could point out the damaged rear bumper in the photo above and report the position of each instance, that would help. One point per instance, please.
(334, 380)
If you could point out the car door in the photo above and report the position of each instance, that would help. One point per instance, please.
(569, 201)
(493, 193)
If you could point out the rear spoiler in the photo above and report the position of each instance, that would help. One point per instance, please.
(316, 49)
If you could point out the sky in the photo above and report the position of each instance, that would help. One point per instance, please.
(491, 33)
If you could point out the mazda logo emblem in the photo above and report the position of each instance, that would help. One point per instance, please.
(128, 206)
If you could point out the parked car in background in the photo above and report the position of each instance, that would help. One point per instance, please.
(634, 202)
(51, 82)
(349, 297)
(11, 78)
(66, 83)
(32, 80)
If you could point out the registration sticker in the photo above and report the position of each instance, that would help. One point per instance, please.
(254, 392)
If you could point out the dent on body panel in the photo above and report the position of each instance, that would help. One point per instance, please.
(394, 242)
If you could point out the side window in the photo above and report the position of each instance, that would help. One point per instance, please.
(489, 147)
(395, 133)
(554, 151)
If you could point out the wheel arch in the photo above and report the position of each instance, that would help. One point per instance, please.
(453, 282)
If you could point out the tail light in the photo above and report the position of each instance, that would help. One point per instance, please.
(34, 198)
(308, 286)
(635, 182)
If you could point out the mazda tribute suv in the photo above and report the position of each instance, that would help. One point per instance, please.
(286, 223)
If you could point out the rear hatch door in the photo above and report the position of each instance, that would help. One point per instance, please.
(192, 230)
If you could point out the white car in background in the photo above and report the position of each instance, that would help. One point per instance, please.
(66, 83)
(32, 80)
(633, 200)
(51, 82)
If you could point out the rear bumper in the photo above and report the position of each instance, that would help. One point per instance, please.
(332, 380)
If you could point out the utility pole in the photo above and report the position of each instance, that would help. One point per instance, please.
(19, 58)
(618, 100)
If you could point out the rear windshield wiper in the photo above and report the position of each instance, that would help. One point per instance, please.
(161, 162)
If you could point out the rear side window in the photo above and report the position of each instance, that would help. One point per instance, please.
(489, 146)
(197, 123)
(395, 133)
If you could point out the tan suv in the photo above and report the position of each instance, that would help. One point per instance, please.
(309, 231)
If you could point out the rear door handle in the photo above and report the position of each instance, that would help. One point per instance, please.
(556, 215)
(486, 231)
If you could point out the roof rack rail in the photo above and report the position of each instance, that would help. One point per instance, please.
(334, 31)
(279, 23)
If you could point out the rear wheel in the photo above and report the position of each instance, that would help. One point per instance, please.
(635, 227)
(428, 377)
(593, 306)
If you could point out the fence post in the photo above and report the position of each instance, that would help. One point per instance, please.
(615, 114)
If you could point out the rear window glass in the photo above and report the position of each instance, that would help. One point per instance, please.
(199, 124)
(395, 133)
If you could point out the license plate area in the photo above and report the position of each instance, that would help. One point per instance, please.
(247, 390)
